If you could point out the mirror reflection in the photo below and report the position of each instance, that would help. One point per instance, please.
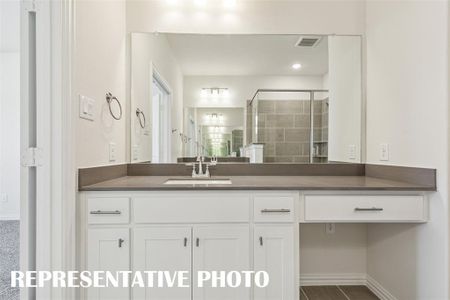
(245, 98)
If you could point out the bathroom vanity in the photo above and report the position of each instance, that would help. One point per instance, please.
(140, 223)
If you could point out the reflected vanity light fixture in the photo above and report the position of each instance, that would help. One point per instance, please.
(229, 3)
(214, 92)
(200, 2)
(296, 66)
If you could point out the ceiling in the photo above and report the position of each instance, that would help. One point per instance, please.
(247, 55)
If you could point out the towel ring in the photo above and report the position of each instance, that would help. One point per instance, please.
(110, 99)
(141, 117)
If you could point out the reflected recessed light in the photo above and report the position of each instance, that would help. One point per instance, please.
(296, 66)
(200, 2)
(229, 3)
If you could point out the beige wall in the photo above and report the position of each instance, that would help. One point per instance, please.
(9, 110)
(152, 52)
(407, 107)
(280, 16)
(100, 61)
(344, 82)
(339, 255)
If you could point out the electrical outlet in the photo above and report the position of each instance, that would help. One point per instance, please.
(112, 152)
(3, 198)
(330, 228)
(135, 152)
(351, 151)
(384, 152)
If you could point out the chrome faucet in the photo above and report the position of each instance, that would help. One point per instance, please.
(200, 173)
(213, 160)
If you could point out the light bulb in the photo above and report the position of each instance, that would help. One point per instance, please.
(229, 3)
(200, 2)
(296, 66)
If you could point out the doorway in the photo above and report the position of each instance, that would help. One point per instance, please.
(161, 107)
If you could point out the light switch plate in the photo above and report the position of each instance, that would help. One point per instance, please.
(135, 152)
(87, 108)
(112, 152)
(351, 151)
(384, 152)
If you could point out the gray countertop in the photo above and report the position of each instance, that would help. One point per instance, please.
(367, 183)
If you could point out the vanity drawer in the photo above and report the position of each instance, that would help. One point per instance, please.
(278, 209)
(108, 210)
(192, 208)
(364, 208)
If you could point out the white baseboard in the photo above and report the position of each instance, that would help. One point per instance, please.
(378, 289)
(9, 217)
(347, 279)
(333, 279)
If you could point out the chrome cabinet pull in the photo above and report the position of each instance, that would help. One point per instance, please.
(197, 242)
(105, 212)
(261, 241)
(121, 241)
(281, 210)
(185, 242)
(368, 209)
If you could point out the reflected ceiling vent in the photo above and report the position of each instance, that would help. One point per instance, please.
(308, 41)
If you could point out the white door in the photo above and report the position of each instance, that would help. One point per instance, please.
(274, 253)
(108, 250)
(220, 248)
(161, 131)
(163, 249)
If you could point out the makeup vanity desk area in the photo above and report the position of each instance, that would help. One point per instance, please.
(129, 220)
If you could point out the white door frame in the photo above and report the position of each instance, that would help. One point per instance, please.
(54, 216)
(156, 75)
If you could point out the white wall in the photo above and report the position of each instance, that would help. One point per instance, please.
(344, 81)
(407, 107)
(301, 16)
(100, 66)
(9, 110)
(153, 51)
(339, 255)
(242, 88)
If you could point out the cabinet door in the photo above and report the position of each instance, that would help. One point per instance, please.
(162, 249)
(108, 250)
(220, 248)
(274, 253)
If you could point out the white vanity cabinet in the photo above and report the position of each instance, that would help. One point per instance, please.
(108, 250)
(219, 231)
(162, 248)
(274, 252)
(192, 231)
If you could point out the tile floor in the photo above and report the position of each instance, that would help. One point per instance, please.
(354, 292)
(9, 258)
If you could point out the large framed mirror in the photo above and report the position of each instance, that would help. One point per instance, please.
(245, 98)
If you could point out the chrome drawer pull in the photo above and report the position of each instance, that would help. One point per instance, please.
(105, 212)
(282, 210)
(368, 209)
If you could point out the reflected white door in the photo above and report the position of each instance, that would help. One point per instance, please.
(160, 121)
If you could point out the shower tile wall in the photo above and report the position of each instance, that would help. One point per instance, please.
(284, 128)
(237, 140)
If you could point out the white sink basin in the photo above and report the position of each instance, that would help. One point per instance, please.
(198, 181)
